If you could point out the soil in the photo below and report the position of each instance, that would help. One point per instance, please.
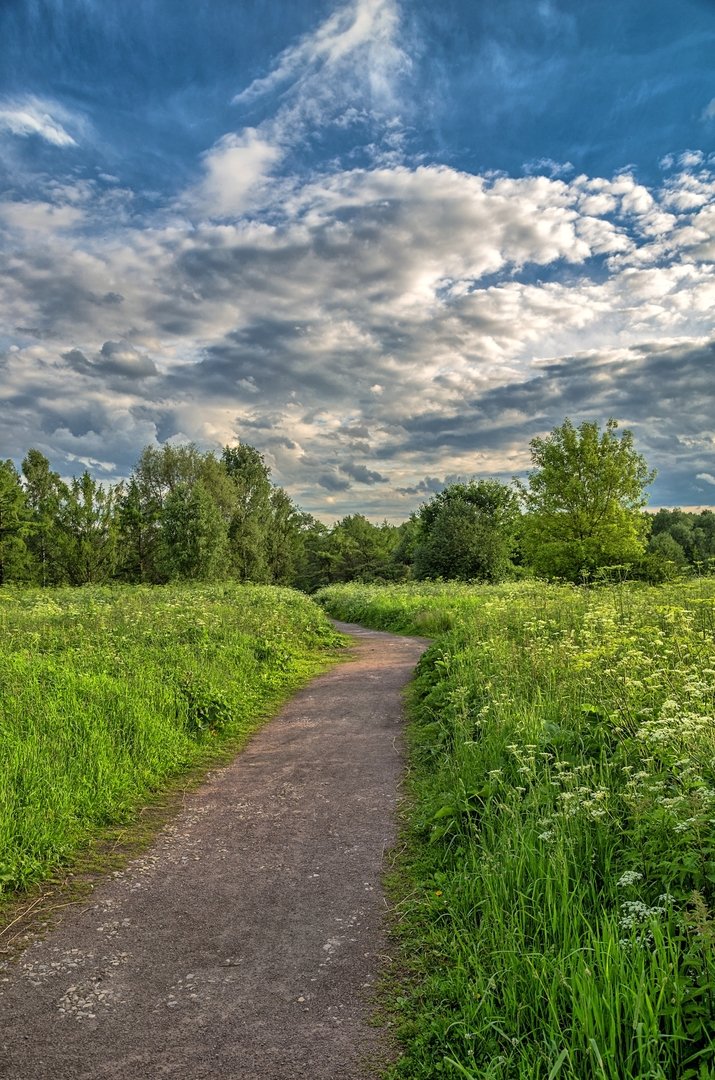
(246, 942)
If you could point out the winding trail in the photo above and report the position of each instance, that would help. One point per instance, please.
(245, 942)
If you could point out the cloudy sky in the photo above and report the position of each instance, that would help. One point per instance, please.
(384, 241)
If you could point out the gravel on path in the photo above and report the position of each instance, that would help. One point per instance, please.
(245, 943)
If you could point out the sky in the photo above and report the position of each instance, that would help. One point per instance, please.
(386, 242)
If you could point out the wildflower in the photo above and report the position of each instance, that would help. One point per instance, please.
(630, 877)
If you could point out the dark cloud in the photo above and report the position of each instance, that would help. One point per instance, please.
(332, 482)
(665, 395)
(114, 358)
(362, 474)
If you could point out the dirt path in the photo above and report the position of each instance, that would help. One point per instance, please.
(245, 943)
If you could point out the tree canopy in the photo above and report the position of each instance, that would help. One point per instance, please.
(467, 531)
(584, 501)
(189, 514)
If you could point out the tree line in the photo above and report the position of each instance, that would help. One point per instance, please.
(185, 514)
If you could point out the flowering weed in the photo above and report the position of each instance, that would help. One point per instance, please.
(562, 794)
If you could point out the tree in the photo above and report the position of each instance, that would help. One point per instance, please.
(248, 529)
(136, 535)
(87, 531)
(285, 538)
(14, 524)
(45, 493)
(584, 501)
(468, 531)
(193, 541)
(158, 472)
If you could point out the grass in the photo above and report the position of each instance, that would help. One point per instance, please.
(109, 694)
(556, 892)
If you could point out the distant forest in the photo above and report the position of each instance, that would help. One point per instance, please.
(190, 515)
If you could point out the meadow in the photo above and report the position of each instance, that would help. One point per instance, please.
(554, 898)
(106, 693)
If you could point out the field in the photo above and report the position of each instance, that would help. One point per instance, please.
(105, 693)
(555, 897)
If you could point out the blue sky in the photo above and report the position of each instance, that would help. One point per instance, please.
(386, 242)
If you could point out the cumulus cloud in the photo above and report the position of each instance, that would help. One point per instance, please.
(33, 116)
(234, 169)
(374, 330)
(345, 74)
(362, 474)
(361, 337)
(114, 358)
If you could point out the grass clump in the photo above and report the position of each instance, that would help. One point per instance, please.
(105, 693)
(557, 892)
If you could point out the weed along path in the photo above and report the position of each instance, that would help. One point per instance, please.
(245, 942)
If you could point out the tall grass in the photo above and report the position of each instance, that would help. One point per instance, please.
(557, 894)
(106, 692)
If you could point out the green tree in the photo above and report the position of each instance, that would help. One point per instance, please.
(403, 555)
(584, 501)
(87, 532)
(45, 493)
(353, 550)
(285, 538)
(14, 525)
(313, 570)
(159, 472)
(250, 522)
(136, 535)
(193, 544)
(468, 531)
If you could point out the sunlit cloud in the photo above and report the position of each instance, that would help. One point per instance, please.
(32, 116)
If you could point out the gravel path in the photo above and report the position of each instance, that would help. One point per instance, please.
(244, 944)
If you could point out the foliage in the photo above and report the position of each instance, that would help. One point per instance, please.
(184, 514)
(250, 522)
(14, 524)
(87, 533)
(44, 491)
(467, 531)
(584, 500)
(106, 692)
(557, 900)
(188, 514)
(683, 538)
(354, 549)
(193, 543)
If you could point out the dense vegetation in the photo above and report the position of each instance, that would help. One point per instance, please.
(104, 693)
(557, 892)
(186, 515)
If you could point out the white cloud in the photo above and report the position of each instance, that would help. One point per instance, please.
(707, 477)
(34, 116)
(356, 320)
(235, 170)
(548, 165)
(40, 217)
(363, 30)
(344, 74)
(691, 159)
(708, 112)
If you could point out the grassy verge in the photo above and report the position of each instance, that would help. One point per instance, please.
(107, 695)
(557, 889)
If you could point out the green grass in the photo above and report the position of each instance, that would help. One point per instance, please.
(108, 693)
(555, 899)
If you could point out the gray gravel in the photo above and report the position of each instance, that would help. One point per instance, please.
(245, 943)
